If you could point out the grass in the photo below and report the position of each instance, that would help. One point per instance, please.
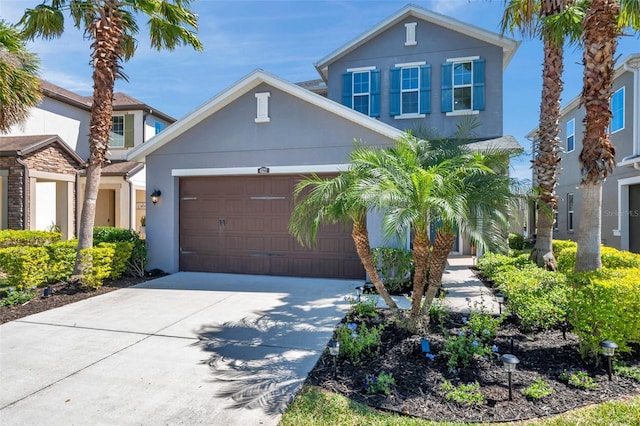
(314, 406)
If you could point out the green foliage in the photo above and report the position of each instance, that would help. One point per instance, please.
(611, 259)
(516, 241)
(439, 313)
(624, 371)
(97, 265)
(394, 265)
(538, 298)
(537, 390)
(491, 263)
(460, 349)
(558, 245)
(366, 307)
(358, 341)
(464, 394)
(378, 384)
(109, 234)
(483, 325)
(604, 305)
(16, 297)
(12, 238)
(25, 266)
(121, 255)
(62, 257)
(137, 263)
(578, 379)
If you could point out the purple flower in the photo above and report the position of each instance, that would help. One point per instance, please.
(461, 333)
(494, 348)
(352, 326)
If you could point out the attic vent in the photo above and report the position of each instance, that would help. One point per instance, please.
(411, 34)
(262, 113)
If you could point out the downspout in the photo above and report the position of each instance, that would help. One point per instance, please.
(26, 199)
(634, 67)
(131, 210)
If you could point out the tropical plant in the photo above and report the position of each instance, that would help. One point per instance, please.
(602, 25)
(554, 22)
(19, 83)
(111, 25)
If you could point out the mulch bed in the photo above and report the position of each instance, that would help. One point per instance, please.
(417, 390)
(64, 293)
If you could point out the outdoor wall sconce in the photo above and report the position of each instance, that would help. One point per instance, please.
(155, 196)
(608, 350)
(509, 362)
(500, 300)
(334, 351)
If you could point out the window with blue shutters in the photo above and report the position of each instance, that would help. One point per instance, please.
(361, 90)
(617, 109)
(463, 85)
(410, 94)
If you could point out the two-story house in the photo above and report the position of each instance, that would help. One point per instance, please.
(227, 170)
(621, 189)
(42, 164)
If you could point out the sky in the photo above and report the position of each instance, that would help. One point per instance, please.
(286, 38)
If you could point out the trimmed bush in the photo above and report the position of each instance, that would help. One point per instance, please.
(516, 241)
(491, 264)
(98, 262)
(604, 305)
(13, 238)
(611, 259)
(109, 234)
(62, 258)
(559, 245)
(121, 255)
(25, 267)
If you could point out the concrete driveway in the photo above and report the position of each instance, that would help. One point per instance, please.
(188, 348)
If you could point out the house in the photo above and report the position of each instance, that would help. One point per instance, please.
(227, 170)
(621, 189)
(42, 164)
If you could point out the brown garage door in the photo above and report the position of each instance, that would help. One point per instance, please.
(240, 225)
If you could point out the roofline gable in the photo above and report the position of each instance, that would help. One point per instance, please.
(46, 140)
(508, 45)
(243, 86)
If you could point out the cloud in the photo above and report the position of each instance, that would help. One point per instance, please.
(80, 85)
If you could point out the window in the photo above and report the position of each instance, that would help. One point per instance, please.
(571, 135)
(410, 95)
(556, 225)
(570, 212)
(617, 109)
(159, 126)
(116, 138)
(463, 85)
(361, 90)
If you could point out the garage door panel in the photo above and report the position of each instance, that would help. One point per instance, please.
(241, 225)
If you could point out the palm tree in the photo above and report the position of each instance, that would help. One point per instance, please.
(554, 21)
(19, 83)
(321, 200)
(111, 25)
(602, 25)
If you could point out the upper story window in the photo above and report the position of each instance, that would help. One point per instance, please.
(617, 109)
(410, 90)
(571, 135)
(121, 135)
(361, 90)
(463, 85)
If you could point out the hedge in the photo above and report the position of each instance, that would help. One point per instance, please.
(14, 238)
(25, 267)
(611, 259)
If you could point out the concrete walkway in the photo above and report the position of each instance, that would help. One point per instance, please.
(464, 291)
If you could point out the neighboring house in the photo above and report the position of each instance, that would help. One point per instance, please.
(42, 164)
(227, 170)
(621, 190)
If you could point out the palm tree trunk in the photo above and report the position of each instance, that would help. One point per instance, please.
(107, 33)
(547, 163)
(421, 251)
(442, 246)
(598, 153)
(360, 237)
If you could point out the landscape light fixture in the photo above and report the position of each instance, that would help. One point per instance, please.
(608, 350)
(359, 291)
(500, 300)
(334, 351)
(155, 196)
(509, 362)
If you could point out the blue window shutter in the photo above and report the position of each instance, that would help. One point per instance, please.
(447, 87)
(478, 85)
(374, 110)
(394, 98)
(347, 87)
(425, 89)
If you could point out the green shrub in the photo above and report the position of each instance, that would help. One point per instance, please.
(109, 234)
(516, 241)
(121, 255)
(538, 298)
(137, 263)
(97, 262)
(357, 341)
(604, 305)
(490, 263)
(378, 384)
(611, 259)
(394, 265)
(559, 245)
(460, 350)
(62, 258)
(537, 390)
(25, 267)
(464, 394)
(578, 379)
(625, 371)
(16, 297)
(13, 238)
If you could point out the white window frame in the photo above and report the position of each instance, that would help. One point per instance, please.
(354, 95)
(570, 212)
(571, 135)
(402, 67)
(455, 61)
(410, 39)
(613, 114)
(111, 132)
(262, 107)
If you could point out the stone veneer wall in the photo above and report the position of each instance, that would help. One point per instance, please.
(16, 193)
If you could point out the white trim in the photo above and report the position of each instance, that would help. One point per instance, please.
(463, 112)
(410, 64)
(464, 59)
(407, 116)
(273, 170)
(361, 69)
(410, 38)
(623, 206)
(262, 107)
(52, 176)
(624, 110)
